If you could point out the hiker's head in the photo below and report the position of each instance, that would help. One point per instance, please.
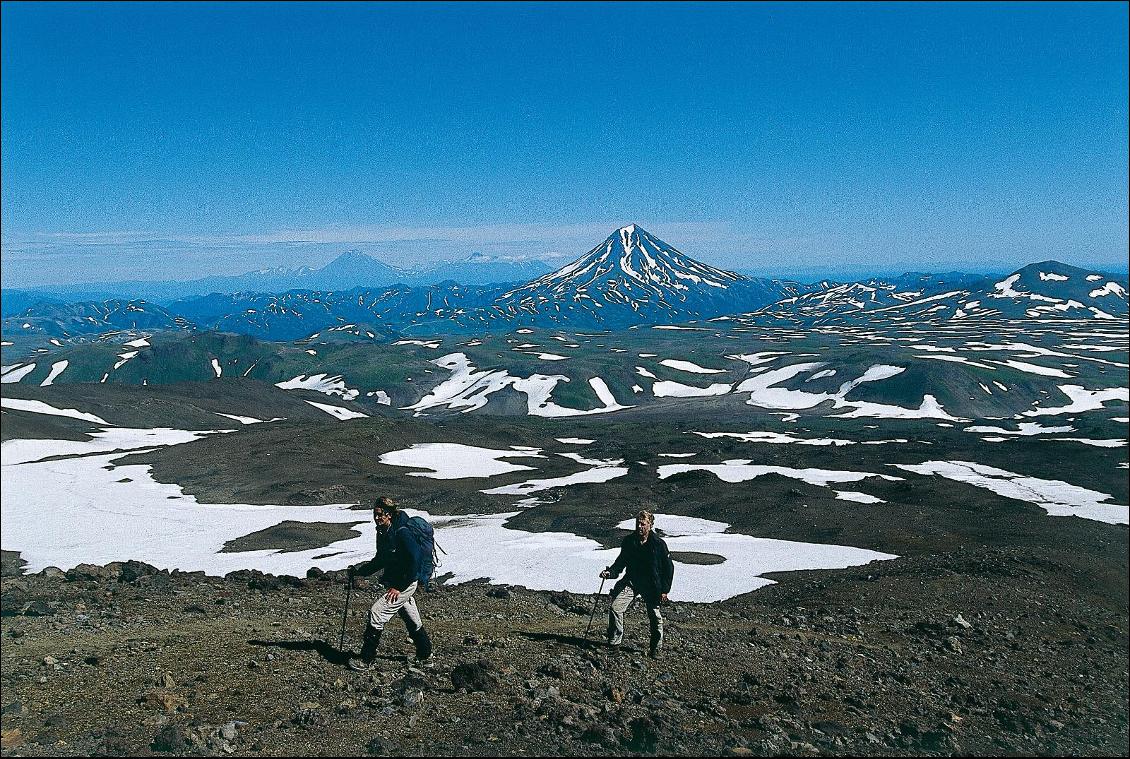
(644, 521)
(384, 511)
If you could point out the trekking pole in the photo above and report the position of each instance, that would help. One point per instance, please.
(345, 612)
(594, 605)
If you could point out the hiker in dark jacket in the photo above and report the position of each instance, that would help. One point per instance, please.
(398, 554)
(650, 571)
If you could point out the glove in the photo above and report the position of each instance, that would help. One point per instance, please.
(605, 574)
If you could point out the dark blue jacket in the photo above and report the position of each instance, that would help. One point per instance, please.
(398, 554)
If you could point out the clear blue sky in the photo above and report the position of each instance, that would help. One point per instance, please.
(179, 140)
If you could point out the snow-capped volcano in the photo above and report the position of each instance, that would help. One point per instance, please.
(630, 265)
(634, 277)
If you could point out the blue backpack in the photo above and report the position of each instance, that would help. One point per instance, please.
(420, 531)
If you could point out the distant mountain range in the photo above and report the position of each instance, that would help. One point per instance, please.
(350, 270)
(632, 278)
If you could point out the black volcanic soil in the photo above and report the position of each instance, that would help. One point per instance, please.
(289, 535)
(977, 651)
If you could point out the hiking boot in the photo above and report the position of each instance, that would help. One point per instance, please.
(427, 663)
(654, 652)
(368, 651)
(423, 643)
(360, 665)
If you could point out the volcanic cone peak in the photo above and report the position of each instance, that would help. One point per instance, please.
(631, 264)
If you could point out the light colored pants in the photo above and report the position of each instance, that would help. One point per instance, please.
(405, 605)
(620, 603)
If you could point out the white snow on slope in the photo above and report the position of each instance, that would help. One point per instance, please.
(140, 342)
(1056, 497)
(338, 412)
(741, 470)
(575, 440)
(1082, 400)
(774, 437)
(763, 393)
(248, 419)
(1024, 366)
(216, 367)
(322, 383)
(1052, 276)
(928, 409)
(98, 516)
(1024, 428)
(1100, 443)
(123, 358)
(848, 495)
(468, 389)
(596, 474)
(57, 368)
(451, 461)
(668, 389)
(1110, 288)
(689, 366)
(16, 373)
(39, 407)
(956, 360)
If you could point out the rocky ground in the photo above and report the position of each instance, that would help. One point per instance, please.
(975, 651)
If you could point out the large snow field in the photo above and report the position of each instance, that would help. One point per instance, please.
(69, 511)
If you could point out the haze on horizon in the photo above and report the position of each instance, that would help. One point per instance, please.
(179, 141)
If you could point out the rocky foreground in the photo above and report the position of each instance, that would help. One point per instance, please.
(976, 652)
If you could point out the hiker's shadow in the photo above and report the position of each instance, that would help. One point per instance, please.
(568, 640)
(328, 652)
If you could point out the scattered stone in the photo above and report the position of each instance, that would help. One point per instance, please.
(11, 738)
(475, 676)
(170, 739)
(165, 701)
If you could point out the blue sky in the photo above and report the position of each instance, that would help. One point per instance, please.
(173, 141)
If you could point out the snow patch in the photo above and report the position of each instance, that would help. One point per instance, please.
(452, 461)
(57, 368)
(337, 411)
(1056, 497)
(39, 407)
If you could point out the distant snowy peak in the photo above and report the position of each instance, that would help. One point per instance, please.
(631, 258)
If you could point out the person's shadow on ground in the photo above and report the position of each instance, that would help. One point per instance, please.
(569, 640)
(330, 653)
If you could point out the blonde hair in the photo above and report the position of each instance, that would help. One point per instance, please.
(645, 516)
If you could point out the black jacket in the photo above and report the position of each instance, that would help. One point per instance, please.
(398, 554)
(649, 565)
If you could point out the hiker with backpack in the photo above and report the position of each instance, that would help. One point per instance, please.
(649, 573)
(404, 552)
